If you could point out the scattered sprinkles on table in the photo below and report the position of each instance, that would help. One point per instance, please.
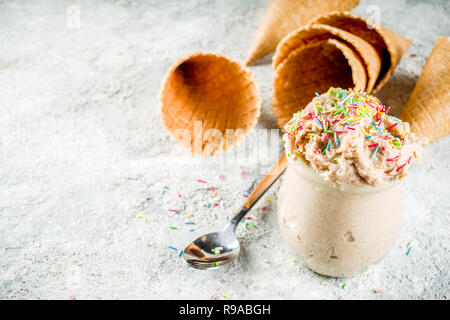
(348, 136)
(212, 193)
(410, 246)
(142, 217)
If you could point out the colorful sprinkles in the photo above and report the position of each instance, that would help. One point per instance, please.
(347, 112)
(410, 246)
(216, 250)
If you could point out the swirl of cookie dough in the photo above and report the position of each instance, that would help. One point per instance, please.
(348, 137)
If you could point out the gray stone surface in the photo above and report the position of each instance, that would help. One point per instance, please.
(84, 159)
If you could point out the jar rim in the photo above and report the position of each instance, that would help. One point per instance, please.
(306, 172)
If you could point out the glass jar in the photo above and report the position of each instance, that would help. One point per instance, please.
(337, 230)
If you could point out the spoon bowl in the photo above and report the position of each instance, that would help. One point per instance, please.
(212, 250)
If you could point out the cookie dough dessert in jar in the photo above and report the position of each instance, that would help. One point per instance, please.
(340, 202)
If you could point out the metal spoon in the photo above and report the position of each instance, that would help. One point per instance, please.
(215, 249)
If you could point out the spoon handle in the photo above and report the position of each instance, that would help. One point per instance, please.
(271, 176)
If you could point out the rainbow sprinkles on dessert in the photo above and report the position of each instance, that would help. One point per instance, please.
(348, 137)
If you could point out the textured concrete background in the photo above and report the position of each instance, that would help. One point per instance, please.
(84, 160)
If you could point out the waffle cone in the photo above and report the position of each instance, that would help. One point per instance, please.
(428, 110)
(313, 33)
(203, 96)
(390, 46)
(311, 68)
(284, 16)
